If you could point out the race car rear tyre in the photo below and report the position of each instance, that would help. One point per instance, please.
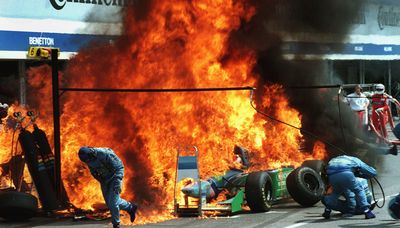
(258, 191)
(319, 166)
(305, 186)
(17, 206)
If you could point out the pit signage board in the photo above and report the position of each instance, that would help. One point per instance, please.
(41, 52)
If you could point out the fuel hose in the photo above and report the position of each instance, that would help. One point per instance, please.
(373, 192)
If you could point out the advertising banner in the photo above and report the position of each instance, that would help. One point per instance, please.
(65, 24)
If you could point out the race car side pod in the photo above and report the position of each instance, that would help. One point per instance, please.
(373, 193)
(47, 195)
(48, 160)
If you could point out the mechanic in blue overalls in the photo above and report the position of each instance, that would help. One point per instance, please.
(342, 205)
(342, 172)
(108, 169)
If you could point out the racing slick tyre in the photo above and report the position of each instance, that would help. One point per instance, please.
(258, 191)
(305, 186)
(17, 206)
(319, 166)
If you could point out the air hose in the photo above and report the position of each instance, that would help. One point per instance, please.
(373, 192)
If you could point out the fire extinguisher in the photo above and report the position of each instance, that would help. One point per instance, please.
(36, 167)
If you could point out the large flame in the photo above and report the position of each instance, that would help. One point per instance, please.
(173, 44)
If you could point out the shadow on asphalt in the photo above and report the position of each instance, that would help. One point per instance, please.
(388, 224)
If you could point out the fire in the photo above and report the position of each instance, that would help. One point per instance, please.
(179, 44)
(9, 147)
(319, 151)
(7, 138)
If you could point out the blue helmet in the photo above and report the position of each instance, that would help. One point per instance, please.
(87, 154)
(394, 207)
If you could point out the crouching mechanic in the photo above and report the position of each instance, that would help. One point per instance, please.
(342, 172)
(343, 206)
(108, 169)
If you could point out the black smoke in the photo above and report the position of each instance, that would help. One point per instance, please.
(277, 21)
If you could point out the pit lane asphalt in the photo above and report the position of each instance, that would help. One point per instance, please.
(288, 214)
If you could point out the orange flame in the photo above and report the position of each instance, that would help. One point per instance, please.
(319, 151)
(9, 147)
(173, 45)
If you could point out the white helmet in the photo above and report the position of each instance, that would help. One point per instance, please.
(380, 88)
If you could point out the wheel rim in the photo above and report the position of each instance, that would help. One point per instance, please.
(311, 182)
(267, 192)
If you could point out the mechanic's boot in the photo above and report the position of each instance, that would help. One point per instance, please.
(132, 212)
(327, 213)
(369, 214)
(116, 225)
(372, 207)
(393, 150)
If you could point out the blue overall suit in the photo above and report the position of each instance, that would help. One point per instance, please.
(343, 206)
(342, 172)
(107, 168)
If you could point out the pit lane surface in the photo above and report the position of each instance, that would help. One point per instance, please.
(288, 214)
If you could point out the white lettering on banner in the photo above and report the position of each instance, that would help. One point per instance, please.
(358, 48)
(46, 41)
(388, 49)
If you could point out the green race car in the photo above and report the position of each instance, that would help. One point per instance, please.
(257, 190)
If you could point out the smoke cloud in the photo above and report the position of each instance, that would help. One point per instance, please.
(276, 21)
